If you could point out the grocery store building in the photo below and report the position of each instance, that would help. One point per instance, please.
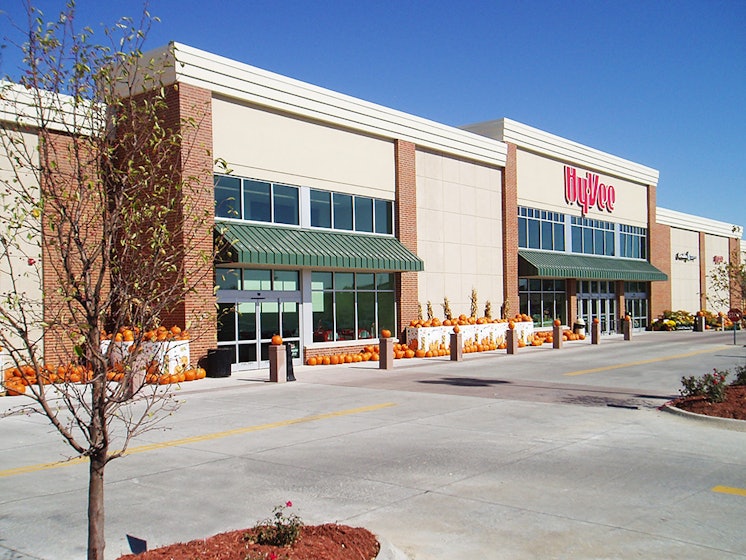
(340, 218)
(335, 218)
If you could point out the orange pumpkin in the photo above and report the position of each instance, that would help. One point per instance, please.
(385, 333)
(557, 323)
(456, 329)
(276, 340)
(596, 320)
(511, 325)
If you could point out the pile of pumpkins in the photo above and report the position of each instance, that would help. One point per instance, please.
(464, 320)
(547, 337)
(160, 334)
(16, 379)
(369, 353)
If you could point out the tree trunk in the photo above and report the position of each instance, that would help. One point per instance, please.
(96, 537)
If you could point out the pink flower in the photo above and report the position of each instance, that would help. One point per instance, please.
(288, 504)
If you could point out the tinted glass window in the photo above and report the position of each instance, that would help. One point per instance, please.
(227, 197)
(286, 204)
(342, 211)
(321, 209)
(363, 214)
(256, 201)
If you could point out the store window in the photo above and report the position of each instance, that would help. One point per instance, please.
(351, 306)
(592, 237)
(342, 207)
(543, 300)
(351, 213)
(540, 229)
(633, 242)
(257, 279)
(257, 201)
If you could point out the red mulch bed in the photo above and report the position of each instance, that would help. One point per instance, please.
(734, 405)
(316, 542)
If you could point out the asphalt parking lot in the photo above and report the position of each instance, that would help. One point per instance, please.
(544, 454)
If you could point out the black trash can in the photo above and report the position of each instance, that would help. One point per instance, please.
(219, 362)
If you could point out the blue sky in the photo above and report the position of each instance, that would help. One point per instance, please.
(659, 83)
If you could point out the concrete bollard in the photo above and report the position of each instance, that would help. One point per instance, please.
(386, 354)
(511, 341)
(627, 327)
(596, 332)
(278, 372)
(557, 336)
(457, 350)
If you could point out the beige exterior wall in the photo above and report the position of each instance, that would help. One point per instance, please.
(685, 286)
(267, 145)
(17, 277)
(715, 246)
(459, 230)
(541, 184)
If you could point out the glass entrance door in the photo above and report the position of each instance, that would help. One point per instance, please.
(596, 299)
(637, 309)
(247, 322)
(603, 309)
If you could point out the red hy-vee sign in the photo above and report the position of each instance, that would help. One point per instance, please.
(588, 192)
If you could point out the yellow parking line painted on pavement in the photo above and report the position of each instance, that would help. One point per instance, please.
(643, 362)
(203, 437)
(729, 490)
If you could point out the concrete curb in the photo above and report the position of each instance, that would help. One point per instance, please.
(388, 551)
(725, 423)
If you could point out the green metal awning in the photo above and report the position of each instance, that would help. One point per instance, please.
(274, 246)
(541, 264)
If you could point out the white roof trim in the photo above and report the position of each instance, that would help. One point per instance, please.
(544, 143)
(240, 81)
(697, 223)
(58, 112)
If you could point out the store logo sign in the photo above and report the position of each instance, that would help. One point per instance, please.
(686, 257)
(588, 192)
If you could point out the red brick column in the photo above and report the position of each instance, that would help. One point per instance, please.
(734, 254)
(702, 257)
(405, 211)
(66, 162)
(571, 286)
(621, 302)
(197, 311)
(659, 249)
(510, 232)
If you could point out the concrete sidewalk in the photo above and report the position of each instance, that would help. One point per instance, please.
(545, 454)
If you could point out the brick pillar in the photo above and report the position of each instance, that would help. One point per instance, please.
(571, 286)
(619, 287)
(66, 161)
(405, 216)
(736, 290)
(702, 258)
(197, 311)
(659, 249)
(510, 232)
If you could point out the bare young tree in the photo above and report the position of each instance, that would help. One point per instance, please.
(727, 284)
(100, 230)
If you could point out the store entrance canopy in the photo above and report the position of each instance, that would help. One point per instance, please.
(539, 264)
(283, 246)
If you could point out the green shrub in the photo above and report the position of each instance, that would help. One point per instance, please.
(278, 530)
(710, 385)
(740, 375)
